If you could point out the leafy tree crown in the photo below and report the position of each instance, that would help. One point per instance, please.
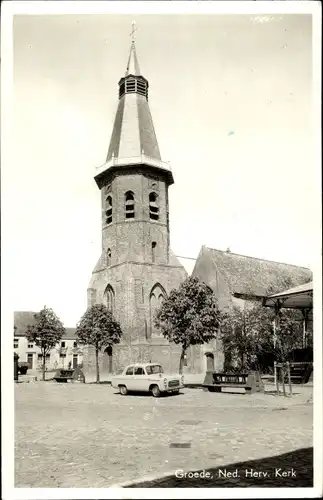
(98, 328)
(46, 331)
(190, 314)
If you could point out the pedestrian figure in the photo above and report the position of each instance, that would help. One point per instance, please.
(69, 365)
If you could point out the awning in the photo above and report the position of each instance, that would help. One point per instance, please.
(298, 297)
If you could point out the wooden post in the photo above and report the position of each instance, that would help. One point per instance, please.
(283, 378)
(276, 377)
(289, 379)
(305, 318)
(274, 328)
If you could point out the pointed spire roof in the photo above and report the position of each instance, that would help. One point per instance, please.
(133, 140)
(133, 64)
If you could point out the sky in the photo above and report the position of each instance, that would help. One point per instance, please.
(231, 101)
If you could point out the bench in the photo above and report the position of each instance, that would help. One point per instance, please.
(250, 382)
(63, 375)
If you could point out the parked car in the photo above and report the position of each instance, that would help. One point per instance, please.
(22, 367)
(148, 377)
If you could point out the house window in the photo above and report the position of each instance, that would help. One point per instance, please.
(61, 355)
(153, 251)
(74, 344)
(153, 206)
(15, 343)
(109, 257)
(40, 357)
(108, 212)
(30, 346)
(62, 344)
(129, 205)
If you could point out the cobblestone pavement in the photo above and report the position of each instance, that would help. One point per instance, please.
(87, 435)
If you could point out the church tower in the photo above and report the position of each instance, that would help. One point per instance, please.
(136, 269)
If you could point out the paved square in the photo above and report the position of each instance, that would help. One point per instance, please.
(87, 435)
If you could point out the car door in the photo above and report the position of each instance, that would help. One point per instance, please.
(140, 381)
(129, 378)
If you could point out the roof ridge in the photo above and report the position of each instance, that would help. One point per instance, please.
(258, 258)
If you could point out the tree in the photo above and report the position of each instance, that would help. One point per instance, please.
(289, 334)
(244, 332)
(189, 316)
(99, 329)
(248, 335)
(45, 333)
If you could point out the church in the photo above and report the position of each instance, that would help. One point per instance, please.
(137, 269)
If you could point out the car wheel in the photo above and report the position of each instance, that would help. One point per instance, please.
(155, 391)
(176, 391)
(123, 390)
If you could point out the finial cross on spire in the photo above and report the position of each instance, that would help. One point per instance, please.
(132, 34)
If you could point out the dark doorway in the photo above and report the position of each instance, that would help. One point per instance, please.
(30, 358)
(108, 351)
(209, 361)
(74, 361)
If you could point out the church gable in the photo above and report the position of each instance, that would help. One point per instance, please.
(247, 277)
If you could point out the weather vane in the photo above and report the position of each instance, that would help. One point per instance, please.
(132, 34)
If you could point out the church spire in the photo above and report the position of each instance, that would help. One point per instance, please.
(133, 65)
(133, 140)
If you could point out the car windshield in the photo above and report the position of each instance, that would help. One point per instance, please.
(154, 369)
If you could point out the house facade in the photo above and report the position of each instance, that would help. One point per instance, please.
(68, 350)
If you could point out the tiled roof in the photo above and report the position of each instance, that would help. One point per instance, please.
(258, 277)
(21, 320)
(24, 318)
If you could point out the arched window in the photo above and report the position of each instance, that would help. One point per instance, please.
(156, 298)
(153, 206)
(108, 212)
(129, 205)
(153, 251)
(109, 257)
(109, 298)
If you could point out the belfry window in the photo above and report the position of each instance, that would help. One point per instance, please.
(109, 257)
(108, 212)
(153, 206)
(130, 85)
(129, 205)
(153, 251)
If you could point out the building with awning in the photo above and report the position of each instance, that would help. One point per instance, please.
(298, 297)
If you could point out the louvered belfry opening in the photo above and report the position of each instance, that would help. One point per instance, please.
(133, 85)
(130, 205)
(153, 206)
